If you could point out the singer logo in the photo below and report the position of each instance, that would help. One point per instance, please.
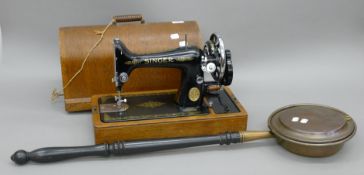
(158, 60)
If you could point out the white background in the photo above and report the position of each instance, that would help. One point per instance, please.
(284, 52)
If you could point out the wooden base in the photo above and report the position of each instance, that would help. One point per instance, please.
(168, 127)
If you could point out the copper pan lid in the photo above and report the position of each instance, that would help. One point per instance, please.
(311, 124)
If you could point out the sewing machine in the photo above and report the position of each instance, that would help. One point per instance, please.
(201, 100)
(194, 63)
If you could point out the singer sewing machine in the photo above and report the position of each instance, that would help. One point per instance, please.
(202, 105)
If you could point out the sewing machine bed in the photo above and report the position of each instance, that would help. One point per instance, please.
(154, 114)
(161, 105)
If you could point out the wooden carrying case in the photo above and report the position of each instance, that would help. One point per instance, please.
(139, 37)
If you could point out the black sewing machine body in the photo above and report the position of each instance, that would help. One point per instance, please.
(195, 64)
(186, 59)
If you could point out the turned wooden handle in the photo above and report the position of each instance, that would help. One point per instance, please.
(128, 18)
(53, 154)
(246, 136)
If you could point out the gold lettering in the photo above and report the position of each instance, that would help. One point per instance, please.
(160, 60)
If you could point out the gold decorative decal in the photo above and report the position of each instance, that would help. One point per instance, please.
(151, 104)
(194, 94)
(158, 60)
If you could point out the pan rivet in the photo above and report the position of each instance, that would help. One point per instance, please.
(295, 119)
(304, 121)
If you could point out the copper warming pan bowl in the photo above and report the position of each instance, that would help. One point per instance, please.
(311, 130)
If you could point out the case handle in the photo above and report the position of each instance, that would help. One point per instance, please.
(128, 18)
